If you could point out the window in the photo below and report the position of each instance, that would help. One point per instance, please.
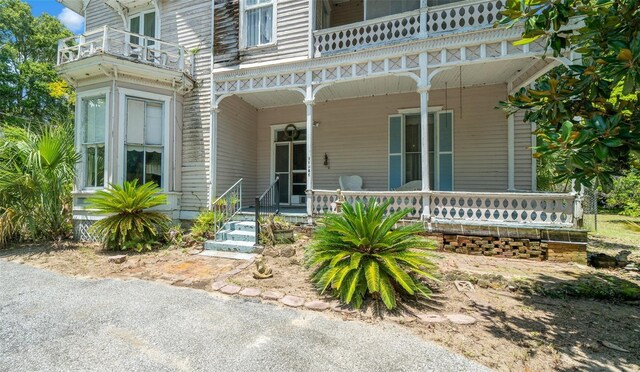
(405, 150)
(144, 141)
(93, 111)
(143, 24)
(258, 22)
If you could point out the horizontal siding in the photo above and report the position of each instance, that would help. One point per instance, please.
(291, 34)
(353, 133)
(188, 23)
(99, 14)
(522, 153)
(237, 153)
(347, 12)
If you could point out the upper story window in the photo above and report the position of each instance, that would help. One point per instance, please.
(143, 23)
(258, 19)
(93, 118)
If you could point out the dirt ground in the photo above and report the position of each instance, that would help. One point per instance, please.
(516, 330)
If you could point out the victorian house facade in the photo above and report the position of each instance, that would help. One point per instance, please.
(196, 95)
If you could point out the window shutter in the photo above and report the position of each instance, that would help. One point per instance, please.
(395, 151)
(445, 151)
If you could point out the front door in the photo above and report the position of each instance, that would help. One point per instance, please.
(289, 163)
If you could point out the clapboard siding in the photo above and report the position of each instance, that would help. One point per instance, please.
(353, 133)
(347, 12)
(237, 147)
(99, 14)
(188, 23)
(522, 153)
(291, 30)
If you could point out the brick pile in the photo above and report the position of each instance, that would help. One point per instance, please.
(494, 246)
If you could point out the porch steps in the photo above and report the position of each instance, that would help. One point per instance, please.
(237, 235)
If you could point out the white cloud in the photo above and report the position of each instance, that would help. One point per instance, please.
(72, 20)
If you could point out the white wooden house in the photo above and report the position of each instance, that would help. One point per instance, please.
(197, 94)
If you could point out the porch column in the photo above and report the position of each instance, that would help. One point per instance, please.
(511, 149)
(309, 101)
(423, 90)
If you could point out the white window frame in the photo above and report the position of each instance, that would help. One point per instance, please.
(141, 14)
(274, 24)
(275, 128)
(79, 132)
(436, 111)
(167, 146)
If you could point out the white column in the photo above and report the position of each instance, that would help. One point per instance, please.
(312, 26)
(424, 136)
(213, 154)
(309, 104)
(511, 149)
(511, 152)
(423, 17)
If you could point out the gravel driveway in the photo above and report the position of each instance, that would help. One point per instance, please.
(54, 322)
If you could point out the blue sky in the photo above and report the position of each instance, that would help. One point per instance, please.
(72, 20)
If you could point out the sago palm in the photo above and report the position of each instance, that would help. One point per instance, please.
(359, 253)
(130, 224)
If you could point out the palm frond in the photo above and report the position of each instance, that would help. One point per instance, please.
(361, 253)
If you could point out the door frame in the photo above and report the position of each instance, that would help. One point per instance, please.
(272, 161)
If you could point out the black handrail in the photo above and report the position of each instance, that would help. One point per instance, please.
(267, 204)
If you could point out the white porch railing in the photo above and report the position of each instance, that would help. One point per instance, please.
(463, 15)
(119, 43)
(539, 209)
(371, 32)
(460, 16)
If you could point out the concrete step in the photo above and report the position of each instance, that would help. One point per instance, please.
(229, 255)
(245, 216)
(241, 236)
(230, 246)
(245, 226)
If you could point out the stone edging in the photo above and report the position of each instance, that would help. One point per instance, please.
(221, 286)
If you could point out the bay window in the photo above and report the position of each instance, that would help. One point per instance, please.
(144, 144)
(258, 19)
(93, 116)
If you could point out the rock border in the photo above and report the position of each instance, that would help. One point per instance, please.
(296, 302)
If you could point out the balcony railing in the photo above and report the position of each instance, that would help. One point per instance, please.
(124, 44)
(533, 209)
(460, 16)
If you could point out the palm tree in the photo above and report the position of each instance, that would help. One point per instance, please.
(36, 179)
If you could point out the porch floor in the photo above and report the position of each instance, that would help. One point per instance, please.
(286, 210)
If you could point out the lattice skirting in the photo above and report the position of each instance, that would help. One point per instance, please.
(81, 231)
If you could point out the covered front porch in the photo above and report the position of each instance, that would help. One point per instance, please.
(443, 150)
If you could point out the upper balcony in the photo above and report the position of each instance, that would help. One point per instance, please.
(113, 51)
(346, 26)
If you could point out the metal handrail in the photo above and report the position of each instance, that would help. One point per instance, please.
(267, 204)
(226, 206)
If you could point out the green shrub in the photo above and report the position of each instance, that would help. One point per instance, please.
(36, 179)
(358, 254)
(625, 195)
(130, 225)
(207, 223)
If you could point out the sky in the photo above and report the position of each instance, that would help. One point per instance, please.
(68, 17)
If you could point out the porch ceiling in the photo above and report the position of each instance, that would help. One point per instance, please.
(488, 73)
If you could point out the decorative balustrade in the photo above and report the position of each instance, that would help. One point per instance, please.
(463, 16)
(527, 208)
(375, 31)
(459, 16)
(325, 201)
(540, 209)
(119, 43)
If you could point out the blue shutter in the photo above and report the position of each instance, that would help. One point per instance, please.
(395, 151)
(445, 151)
